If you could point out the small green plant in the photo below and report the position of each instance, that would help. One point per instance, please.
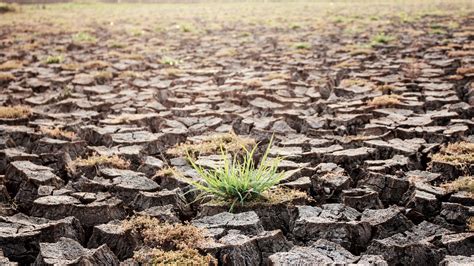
(302, 46)
(339, 19)
(54, 59)
(185, 28)
(437, 29)
(295, 26)
(245, 34)
(169, 61)
(382, 38)
(238, 180)
(83, 37)
(137, 32)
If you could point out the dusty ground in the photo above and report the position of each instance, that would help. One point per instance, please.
(363, 98)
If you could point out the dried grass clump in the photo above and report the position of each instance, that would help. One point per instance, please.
(386, 88)
(280, 194)
(164, 235)
(461, 53)
(230, 141)
(18, 111)
(354, 82)
(58, 133)
(169, 171)
(11, 64)
(253, 83)
(103, 160)
(157, 256)
(461, 153)
(384, 100)
(102, 77)
(166, 243)
(172, 72)
(464, 183)
(70, 66)
(95, 64)
(226, 52)
(277, 75)
(465, 70)
(6, 77)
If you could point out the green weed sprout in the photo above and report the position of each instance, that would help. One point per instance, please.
(238, 180)
(54, 59)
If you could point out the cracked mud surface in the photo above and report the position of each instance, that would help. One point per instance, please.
(363, 99)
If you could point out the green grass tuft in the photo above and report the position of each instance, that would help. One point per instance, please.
(238, 180)
(302, 46)
(84, 37)
(382, 38)
(54, 59)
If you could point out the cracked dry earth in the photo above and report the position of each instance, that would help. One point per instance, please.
(363, 120)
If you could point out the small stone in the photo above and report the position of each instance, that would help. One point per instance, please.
(246, 222)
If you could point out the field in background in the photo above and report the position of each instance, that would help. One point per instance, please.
(155, 29)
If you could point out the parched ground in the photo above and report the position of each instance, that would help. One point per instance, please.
(371, 106)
